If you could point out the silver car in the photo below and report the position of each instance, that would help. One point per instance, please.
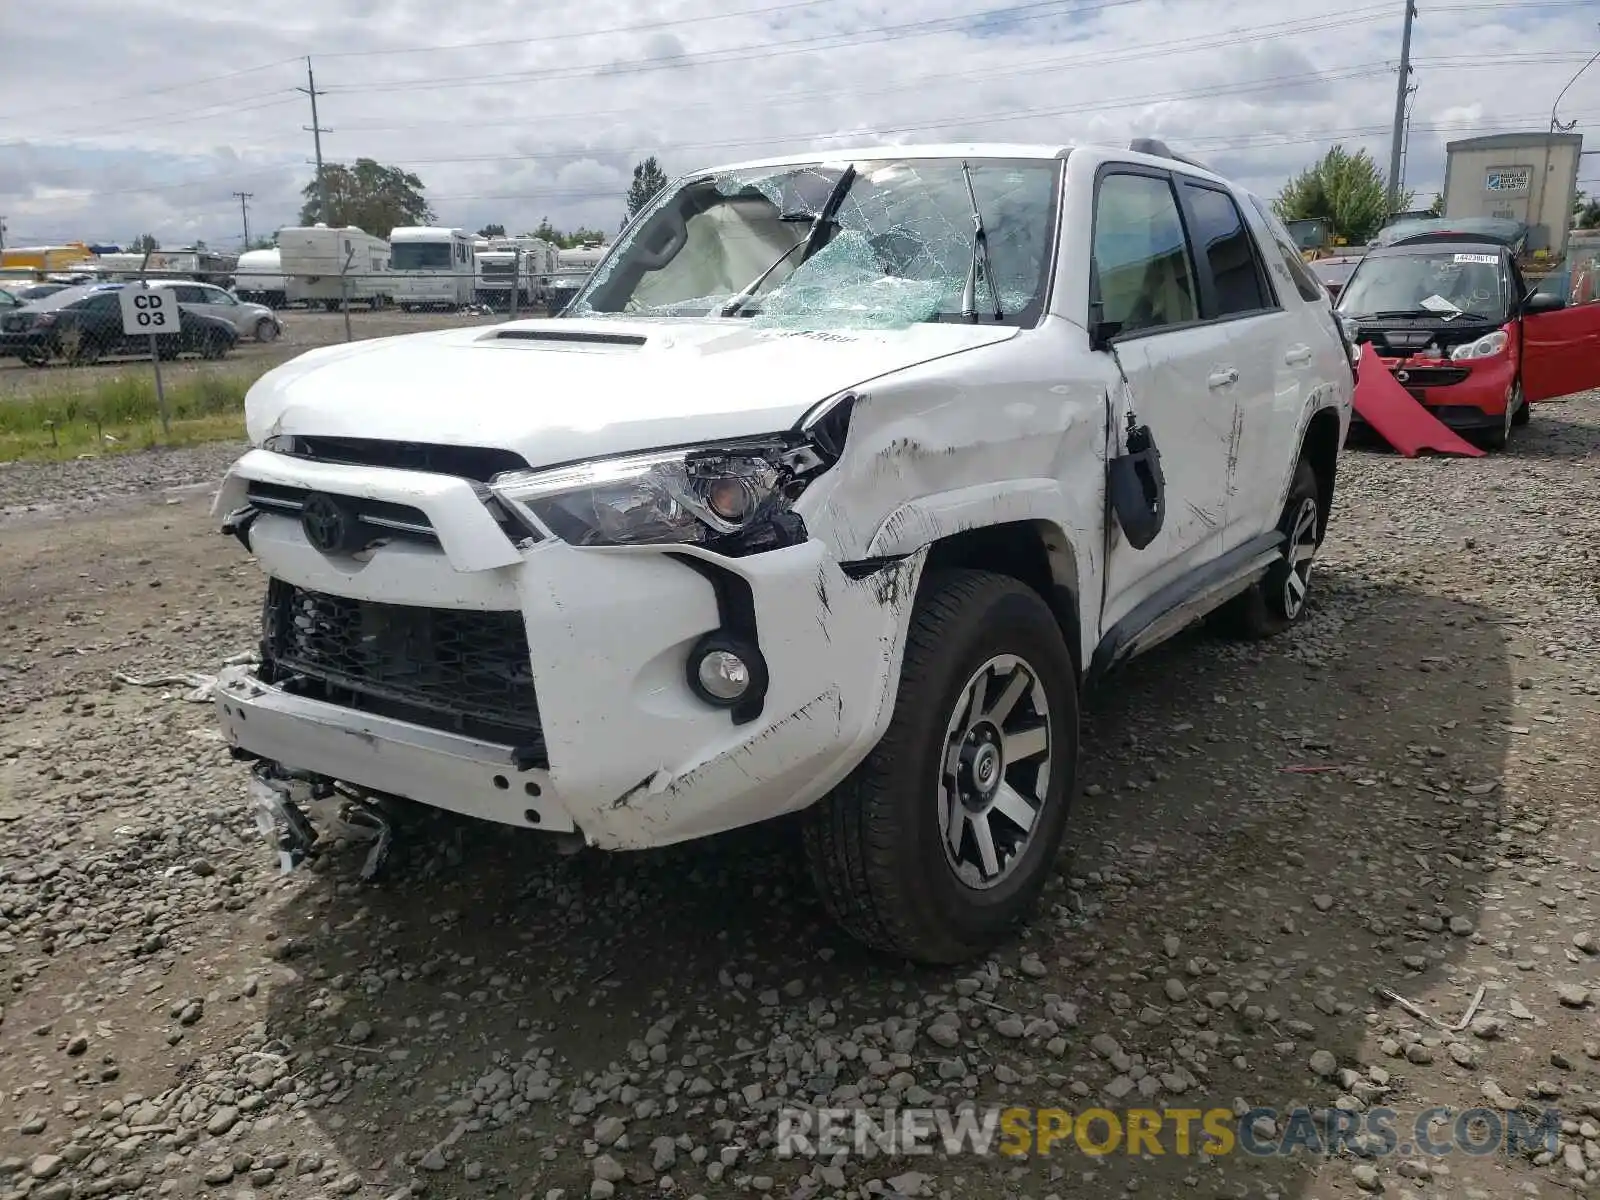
(250, 320)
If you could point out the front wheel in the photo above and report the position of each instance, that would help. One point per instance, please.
(1524, 410)
(941, 840)
(266, 331)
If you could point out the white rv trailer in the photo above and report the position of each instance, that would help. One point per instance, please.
(433, 267)
(259, 278)
(314, 257)
(585, 258)
(532, 259)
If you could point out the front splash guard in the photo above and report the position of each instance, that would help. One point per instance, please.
(280, 802)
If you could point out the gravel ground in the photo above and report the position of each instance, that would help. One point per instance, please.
(1400, 794)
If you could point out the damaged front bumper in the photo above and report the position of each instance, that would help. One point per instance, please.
(627, 756)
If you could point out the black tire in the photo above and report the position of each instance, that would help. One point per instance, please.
(266, 330)
(1268, 607)
(877, 844)
(1524, 409)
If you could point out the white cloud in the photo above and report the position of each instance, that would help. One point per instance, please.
(170, 109)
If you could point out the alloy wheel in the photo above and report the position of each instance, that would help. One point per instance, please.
(1300, 552)
(996, 771)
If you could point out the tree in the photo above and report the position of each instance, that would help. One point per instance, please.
(648, 179)
(1436, 209)
(263, 243)
(489, 231)
(1346, 190)
(368, 195)
(145, 243)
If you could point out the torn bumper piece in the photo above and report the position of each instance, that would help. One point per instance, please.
(632, 757)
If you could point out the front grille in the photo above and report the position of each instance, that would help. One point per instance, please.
(455, 670)
(478, 463)
(381, 518)
(16, 324)
(1428, 377)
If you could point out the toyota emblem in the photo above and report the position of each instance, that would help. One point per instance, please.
(328, 524)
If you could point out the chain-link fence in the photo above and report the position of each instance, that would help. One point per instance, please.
(76, 377)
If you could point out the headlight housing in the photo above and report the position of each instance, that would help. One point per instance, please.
(1487, 346)
(732, 498)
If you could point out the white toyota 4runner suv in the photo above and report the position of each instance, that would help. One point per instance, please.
(830, 491)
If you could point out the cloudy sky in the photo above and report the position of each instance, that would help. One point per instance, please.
(122, 116)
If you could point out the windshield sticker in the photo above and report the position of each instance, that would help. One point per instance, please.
(1437, 303)
(1477, 258)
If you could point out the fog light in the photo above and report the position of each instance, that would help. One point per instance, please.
(728, 672)
(724, 675)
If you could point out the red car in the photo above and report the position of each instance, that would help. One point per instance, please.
(1452, 318)
(1334, 271)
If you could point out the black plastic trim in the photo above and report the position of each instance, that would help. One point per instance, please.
(736, 616)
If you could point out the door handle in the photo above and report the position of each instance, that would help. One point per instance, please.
(1223, 379)
(1298, 356)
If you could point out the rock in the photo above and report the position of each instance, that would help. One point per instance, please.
(602, 1189)
(912, 1183)
(360, 1033)
(472, 1172)
(218, 1174)
(1323, 1063)
(1366, 1177)
(1010, 1027)
(434, 1160)
(1418, 1054)
(1488, 1027)
(1322, 903)
(945, 1030)
(1461, 1054)
(1572, 996)
(608, 1129)
(33, 1123)
(222, 1120)
(1105, 1045)
(607, 1169)
(1460, 926)
(1586, 942)
(1175, 990)
(1031, 966)
(78, 1045)
(46, 1166)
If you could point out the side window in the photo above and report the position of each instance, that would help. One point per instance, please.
(1141, 275)
(191, 295)
(1219, 233)
(1307, 284)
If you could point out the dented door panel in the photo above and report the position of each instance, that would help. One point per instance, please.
(1561, 352)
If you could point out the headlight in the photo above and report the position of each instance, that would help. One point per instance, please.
(726, 496)
(1487, 346)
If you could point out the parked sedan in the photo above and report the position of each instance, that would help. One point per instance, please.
(83, 325)
(248, 320)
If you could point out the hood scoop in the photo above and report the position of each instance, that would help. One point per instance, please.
(564, 337)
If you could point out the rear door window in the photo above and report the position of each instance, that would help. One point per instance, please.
(1223, 241)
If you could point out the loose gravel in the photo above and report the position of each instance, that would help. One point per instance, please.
(1399, 795)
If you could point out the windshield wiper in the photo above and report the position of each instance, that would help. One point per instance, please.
(825, 215)
(980, 253)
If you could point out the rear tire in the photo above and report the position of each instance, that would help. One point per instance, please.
(917, 853)
(1279, 599)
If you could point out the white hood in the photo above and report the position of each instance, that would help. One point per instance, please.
(561, 390)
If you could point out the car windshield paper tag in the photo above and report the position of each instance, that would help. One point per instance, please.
(1477, 258)
(1437, 303)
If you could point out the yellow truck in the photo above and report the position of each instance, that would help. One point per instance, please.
(45, 258)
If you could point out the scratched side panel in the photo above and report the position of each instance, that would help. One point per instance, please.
(1006, 433)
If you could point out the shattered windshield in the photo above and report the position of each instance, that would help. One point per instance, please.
(897, 250)
(1444, 282)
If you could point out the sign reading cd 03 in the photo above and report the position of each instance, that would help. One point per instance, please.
(148, 310)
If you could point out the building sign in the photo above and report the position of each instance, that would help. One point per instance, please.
(1507, 179)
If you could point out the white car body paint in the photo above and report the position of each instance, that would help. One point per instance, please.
(955, 427)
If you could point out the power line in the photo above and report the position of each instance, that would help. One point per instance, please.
(757, 51)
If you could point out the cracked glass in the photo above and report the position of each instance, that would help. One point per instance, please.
(897, 249)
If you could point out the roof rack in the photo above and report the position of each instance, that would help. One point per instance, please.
(1159, 149)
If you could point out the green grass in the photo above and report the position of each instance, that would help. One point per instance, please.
(121, 414)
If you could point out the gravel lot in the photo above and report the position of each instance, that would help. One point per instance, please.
(1401, 794)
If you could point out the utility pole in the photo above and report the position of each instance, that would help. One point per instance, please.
(244, 215)
(316, 131)
(1402, 88)
(2, 231)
